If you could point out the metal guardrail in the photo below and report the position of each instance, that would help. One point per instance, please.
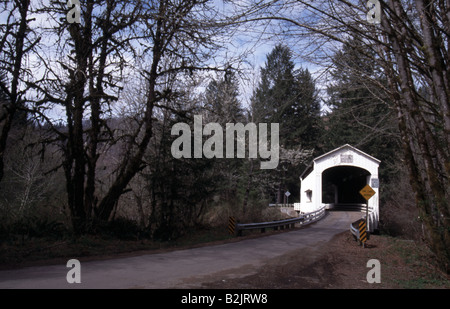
(281, 205)
(354, 229)
(303, 219)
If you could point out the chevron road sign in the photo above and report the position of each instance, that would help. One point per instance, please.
(363, 231)
(231, 225)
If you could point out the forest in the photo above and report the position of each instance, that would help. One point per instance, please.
(87, 110)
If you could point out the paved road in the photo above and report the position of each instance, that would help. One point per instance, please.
(178, 269)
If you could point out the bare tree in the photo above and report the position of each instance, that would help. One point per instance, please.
(16, 41)
(180, 34)
(86, 70)
(26, 183)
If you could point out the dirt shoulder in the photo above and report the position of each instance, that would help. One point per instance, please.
(341, 263)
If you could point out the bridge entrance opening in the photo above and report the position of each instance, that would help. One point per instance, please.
(341, 186)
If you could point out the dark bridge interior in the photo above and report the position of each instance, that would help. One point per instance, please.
(341, 185)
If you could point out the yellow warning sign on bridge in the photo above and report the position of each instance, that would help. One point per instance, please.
(367, 192)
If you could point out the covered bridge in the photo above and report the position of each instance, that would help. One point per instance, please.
(334, 180)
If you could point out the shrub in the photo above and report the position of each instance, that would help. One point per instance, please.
(122, 228)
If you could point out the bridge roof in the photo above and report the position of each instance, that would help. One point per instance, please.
(350, 147)
(309, 168)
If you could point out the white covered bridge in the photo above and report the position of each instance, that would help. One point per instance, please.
(333, 181)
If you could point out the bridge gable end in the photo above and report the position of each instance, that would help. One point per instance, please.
(347, 156)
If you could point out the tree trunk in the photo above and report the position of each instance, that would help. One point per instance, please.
(428, 181)
(13, 100)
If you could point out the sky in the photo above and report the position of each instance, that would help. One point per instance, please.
(253, 42)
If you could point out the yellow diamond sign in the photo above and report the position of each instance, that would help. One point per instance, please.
(367, 192)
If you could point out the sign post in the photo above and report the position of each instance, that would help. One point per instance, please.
(367, 192)
(287, 195)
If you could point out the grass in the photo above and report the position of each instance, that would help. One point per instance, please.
(417, 263)
(422, 283)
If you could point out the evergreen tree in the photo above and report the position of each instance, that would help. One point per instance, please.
(304, 120)
(221, 102)
(221, 105)
(274, 95)
(360, 115)
(287, 96)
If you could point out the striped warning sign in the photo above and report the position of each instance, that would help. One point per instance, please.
(363, 231)
(231, 225)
